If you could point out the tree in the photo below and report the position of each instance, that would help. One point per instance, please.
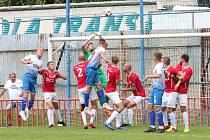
(41, 2)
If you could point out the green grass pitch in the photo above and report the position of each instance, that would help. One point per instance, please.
(100, 133)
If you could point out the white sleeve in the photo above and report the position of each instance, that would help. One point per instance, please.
(159, 69)
(28, 56)
(6, 86)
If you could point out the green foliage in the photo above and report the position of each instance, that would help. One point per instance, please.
(41, 2)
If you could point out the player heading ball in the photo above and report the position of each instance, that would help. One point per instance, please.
(92, 77)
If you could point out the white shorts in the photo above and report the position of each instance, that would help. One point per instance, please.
(82, 96)
(182, 99)
(50, 96)
(13, 106)
(135, 99)
(114, 97)
(169, 99)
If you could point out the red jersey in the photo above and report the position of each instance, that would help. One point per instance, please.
(113, 75)
(169, 82)
(183, 87)
(133, 80)
(79, 71)
(49, 80)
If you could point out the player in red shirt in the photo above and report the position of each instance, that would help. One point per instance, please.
(79, 71)
(170, 96)
(182, 87)
(50, 76)
(133, 84)
(113, 79)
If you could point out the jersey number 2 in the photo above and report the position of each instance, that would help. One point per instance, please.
(80, 72)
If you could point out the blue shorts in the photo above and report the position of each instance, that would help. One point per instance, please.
(155, 97)
(29, 83)
(92, 77)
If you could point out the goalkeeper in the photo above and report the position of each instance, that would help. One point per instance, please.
(87, 49)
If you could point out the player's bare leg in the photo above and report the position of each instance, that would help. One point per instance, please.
(93, 113)
(58, 114)
(130, 106)
(120, 107)
(185, 118)
(50, 114)
(125, 121)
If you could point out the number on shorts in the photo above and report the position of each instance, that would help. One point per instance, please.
(80, 72)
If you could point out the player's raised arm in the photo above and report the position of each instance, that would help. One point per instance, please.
(85, 44)
(41, 71)
(152, 76)
(25, 60)
(158, 70)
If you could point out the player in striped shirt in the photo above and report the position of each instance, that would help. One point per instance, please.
(155, 97)
(92, 77)
(34, 64)
(87, 48)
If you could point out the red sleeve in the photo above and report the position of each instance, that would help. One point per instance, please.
(175, 71)
(134, 79)
(188, 75)
(179, 66)
(43, 71)
(58, 75)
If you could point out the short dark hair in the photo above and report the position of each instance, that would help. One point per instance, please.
(91, 43)
(115, 59)
(103, 41)
(48, 63)
(167, 60)
(158, 56)
(185, 57)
